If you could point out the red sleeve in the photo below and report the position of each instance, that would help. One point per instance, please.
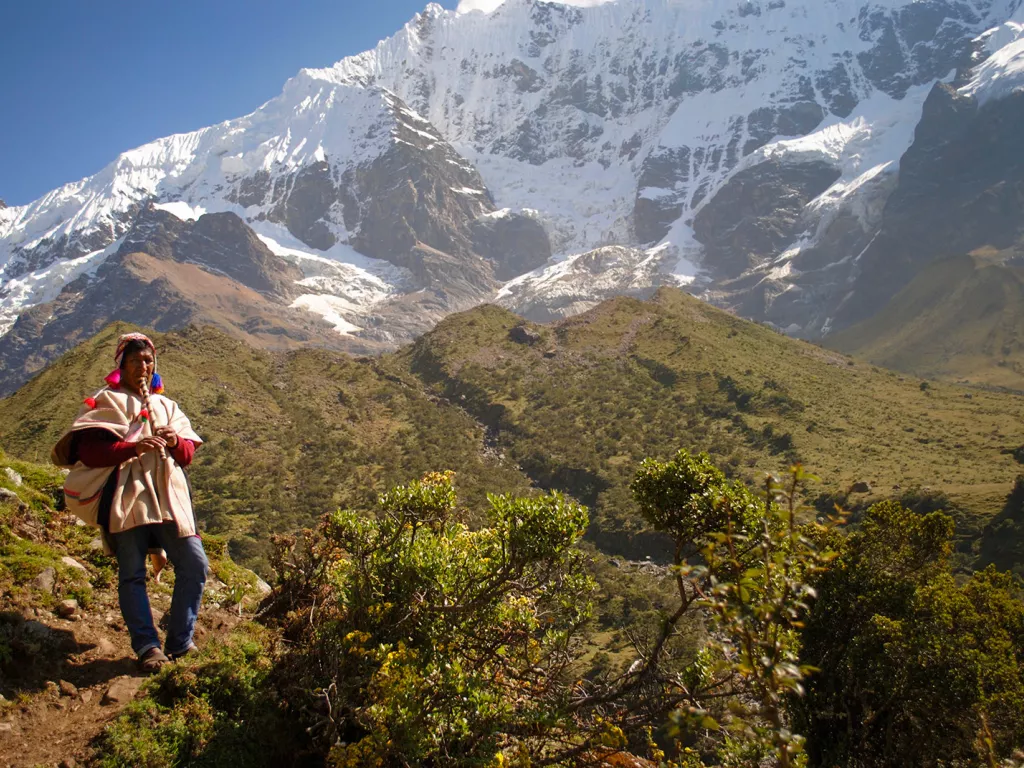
(183, 452)
(99, 448)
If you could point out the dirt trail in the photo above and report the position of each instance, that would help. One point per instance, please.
(87, 678)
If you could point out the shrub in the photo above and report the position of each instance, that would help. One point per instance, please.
(915, 669)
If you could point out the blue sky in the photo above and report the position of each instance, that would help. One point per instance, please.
(83, 81)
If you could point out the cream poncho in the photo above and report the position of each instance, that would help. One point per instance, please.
(149, 489)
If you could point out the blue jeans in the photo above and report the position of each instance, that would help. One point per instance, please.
(190, 568)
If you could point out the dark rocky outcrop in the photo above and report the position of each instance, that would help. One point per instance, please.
(514, 243)
(304, 210)
(961, 188)
(523, 334)
(664, 171)
(757, 213)
(220, 242)
(413, 207)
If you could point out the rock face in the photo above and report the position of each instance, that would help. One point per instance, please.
(221, 243)
(548, 156)
(758, 213)
(166, 274)
(584, 281)
(514, 243)
(961, 188)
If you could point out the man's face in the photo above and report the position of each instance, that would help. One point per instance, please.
(136, 366)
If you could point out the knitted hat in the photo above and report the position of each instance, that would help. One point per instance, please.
(123, 342)
(113, 378)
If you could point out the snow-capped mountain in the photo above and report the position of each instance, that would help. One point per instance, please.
(547, 156)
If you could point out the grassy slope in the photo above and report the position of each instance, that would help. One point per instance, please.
(962, 318)
(599, 392)
(288, 436)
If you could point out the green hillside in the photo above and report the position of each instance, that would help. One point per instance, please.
(573, 406)
(961, 319)
(288, 435)
(582, 404)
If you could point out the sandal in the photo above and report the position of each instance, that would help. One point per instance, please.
(192, 648)
(152, 661)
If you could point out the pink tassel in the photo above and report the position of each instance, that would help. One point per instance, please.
(113, 378)
(90, 401)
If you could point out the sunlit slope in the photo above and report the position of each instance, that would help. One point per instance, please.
(288, 436)
(580, 403)
(962, 318)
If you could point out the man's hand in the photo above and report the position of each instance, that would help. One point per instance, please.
(169, 435)
(149, 444)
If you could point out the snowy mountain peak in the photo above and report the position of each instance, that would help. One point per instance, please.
(747, 148)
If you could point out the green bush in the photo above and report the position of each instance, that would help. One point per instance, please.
(216, 709)
(915, 668)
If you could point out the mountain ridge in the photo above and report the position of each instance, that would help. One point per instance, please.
(648, 127)
(573, 406)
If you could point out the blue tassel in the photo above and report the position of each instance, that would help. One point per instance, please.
(156, 386)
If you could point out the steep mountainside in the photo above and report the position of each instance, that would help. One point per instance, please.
(580, 403)
(575, 406)
(962, 318)
(750, 148)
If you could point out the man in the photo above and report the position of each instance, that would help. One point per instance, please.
(126, 462)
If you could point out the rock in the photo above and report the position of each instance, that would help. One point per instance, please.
(67, 608)
(104, 648)
(121, 691)
(85, 696)
(96, 545)
(757, 213)
(13, 476)
(36, 629)
(6, 727)
(70, 562)
(52, 688)
(861, 487)
(521, 334)
(67, 689)
(44, 581)
(69, 762)
(514, 243)
(262, 587)
(6, 494)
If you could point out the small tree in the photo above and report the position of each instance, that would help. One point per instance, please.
(915, 669)
(753, 584)
(428, 643)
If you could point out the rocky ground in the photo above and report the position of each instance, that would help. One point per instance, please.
(60, 711)
(66, 664)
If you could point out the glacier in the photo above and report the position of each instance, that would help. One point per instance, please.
(615, 124)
